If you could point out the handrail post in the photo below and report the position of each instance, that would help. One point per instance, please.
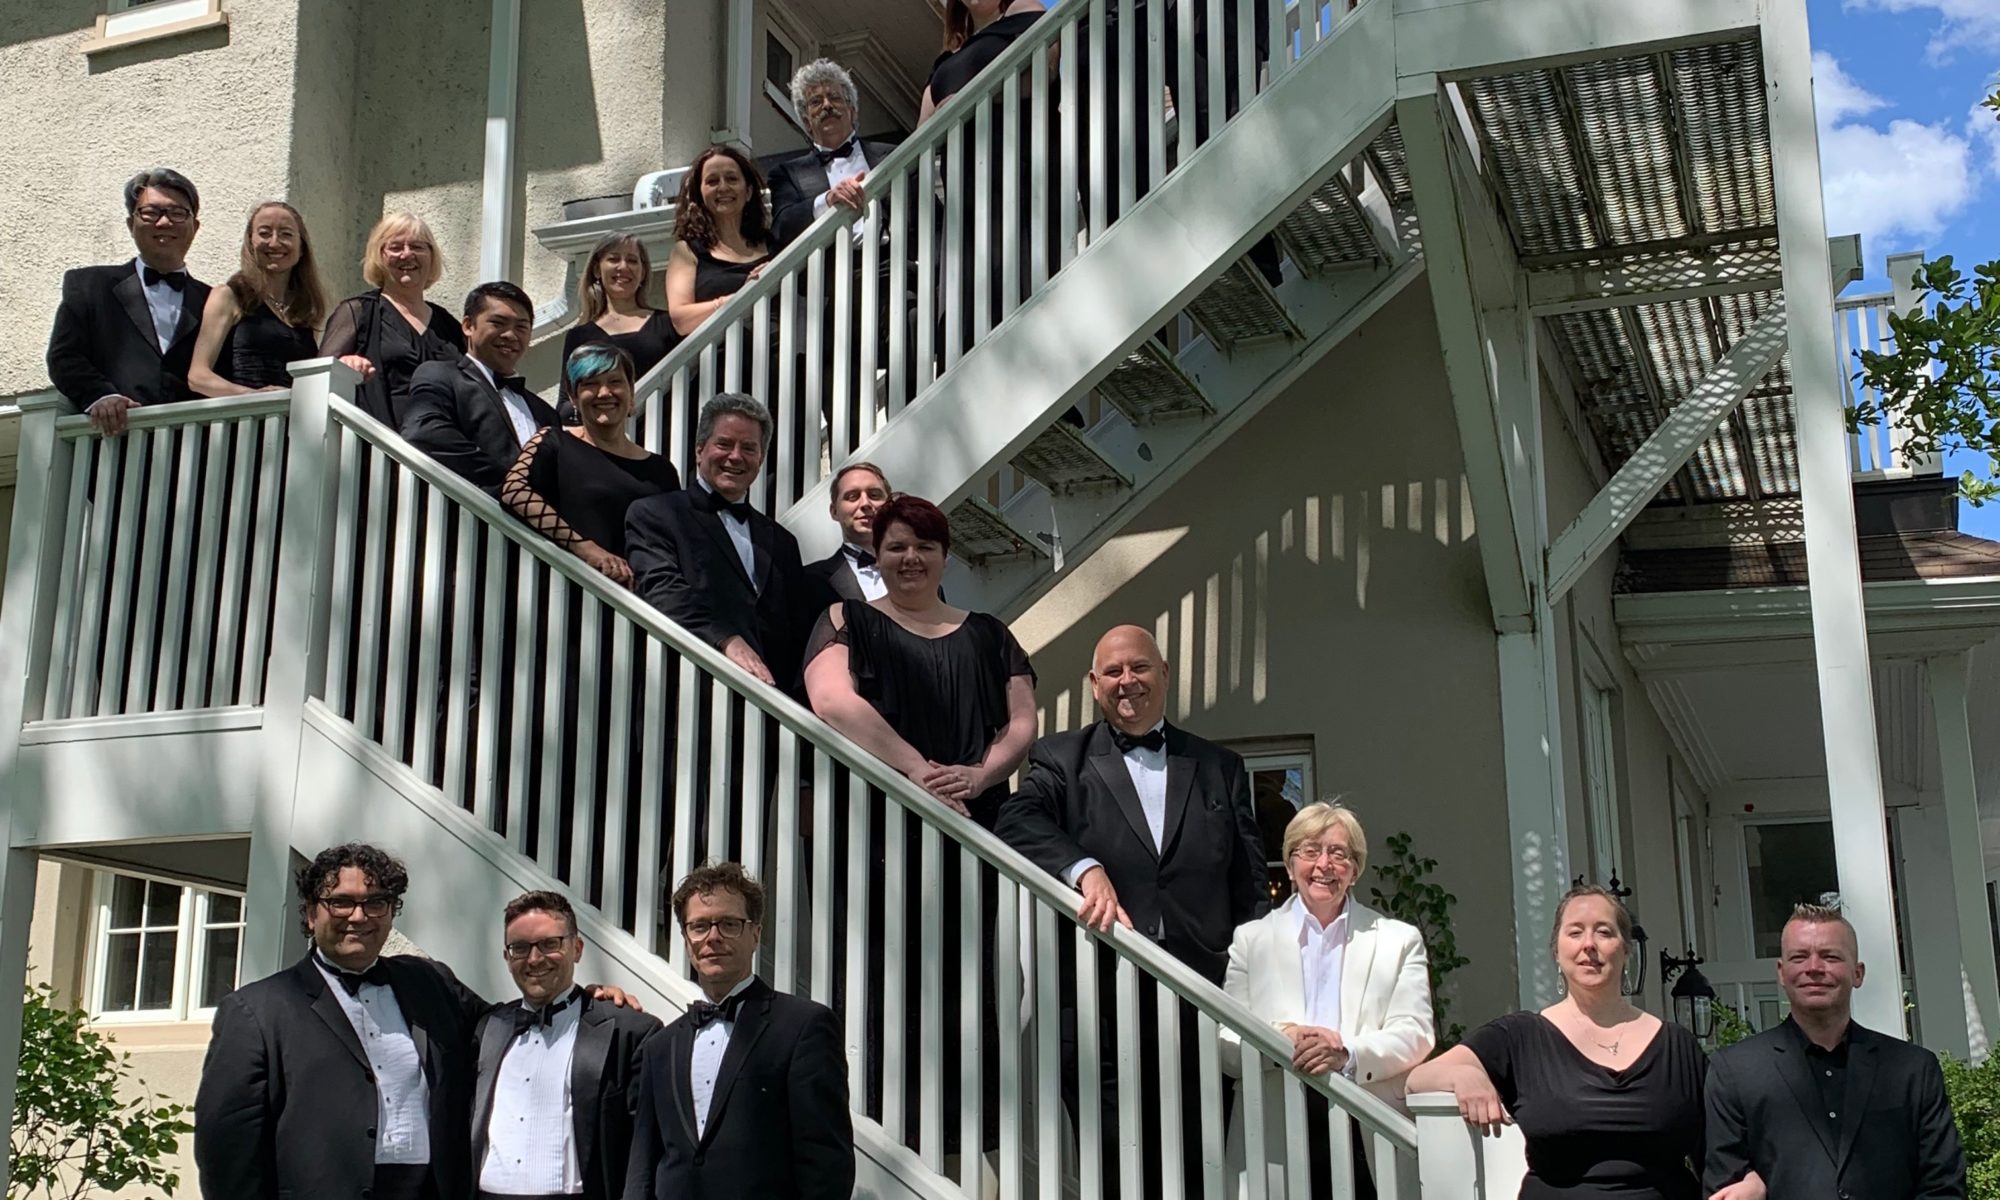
(1904, 296)
(1456, 1161)
(298, 654)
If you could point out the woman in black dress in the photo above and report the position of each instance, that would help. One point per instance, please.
(1608, 1096)
(386, 333)
(268, 313)
(947, 697)
(722, 236)
(613, 307)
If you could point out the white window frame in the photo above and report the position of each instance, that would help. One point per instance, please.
(1689, 865)
(1283, 758)
(1748, 923)
(781, 25)
(191, 929)
(128, 21)
(1598, 725)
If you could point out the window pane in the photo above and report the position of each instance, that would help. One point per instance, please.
(224, 909)
(1788, 864)
(163, 905)
(1276, 795)
(121, 972)
(777, 62)
(128, 897)
(218, 972)
(156, 970)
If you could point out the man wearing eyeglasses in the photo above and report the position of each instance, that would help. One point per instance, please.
(558, 1069)
(746, 1094)
(124, 335)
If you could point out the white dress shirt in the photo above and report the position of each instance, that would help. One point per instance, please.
(839, 171)
(738, 530)
(870, 576)
(1148, 769)
(163, 302)
(1322, 954)
(517, 407)
(531, 1136)
(705, 1063)
(402, 1095)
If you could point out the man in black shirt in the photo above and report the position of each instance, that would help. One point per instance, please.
(1821, 1108)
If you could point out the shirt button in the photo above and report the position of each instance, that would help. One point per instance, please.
(1833, 1116)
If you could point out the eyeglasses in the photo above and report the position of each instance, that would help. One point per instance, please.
(730, 928)
(153, 214)
(371, 907)
(1312, 854)
(550, 947)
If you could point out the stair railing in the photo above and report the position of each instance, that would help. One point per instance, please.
(1002, 188)
(615, 751)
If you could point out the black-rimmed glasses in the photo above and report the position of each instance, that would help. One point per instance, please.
(372, 907)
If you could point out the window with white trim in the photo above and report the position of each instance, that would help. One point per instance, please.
(1600, 770)
(131, 18)
(1281, 783)
(162, 951)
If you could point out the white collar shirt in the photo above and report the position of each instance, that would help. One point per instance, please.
(402, 1094)
(1322, 954)
(163, 303)
(531, 1133)
(868, 576)
(1148, 771)
(516, 405)
(738, 530)
(839, 171)
(711, 1041)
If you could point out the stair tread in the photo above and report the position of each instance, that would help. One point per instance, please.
(1327, 230)
(1148, 385)
(1062, 458)
(1239, 307)
(981, 532)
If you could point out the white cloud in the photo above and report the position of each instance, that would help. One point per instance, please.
(1962, 24)
(1895, 185)
(1983, 127)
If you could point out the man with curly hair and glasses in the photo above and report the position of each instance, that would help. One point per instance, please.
(350, 1073)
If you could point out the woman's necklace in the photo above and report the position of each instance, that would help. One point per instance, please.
(1613, 1047)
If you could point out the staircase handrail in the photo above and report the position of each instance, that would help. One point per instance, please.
(1378, 1116)
(72, 421)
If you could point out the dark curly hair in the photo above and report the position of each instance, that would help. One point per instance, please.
(383, 870)
(692, 222)
(712, 877)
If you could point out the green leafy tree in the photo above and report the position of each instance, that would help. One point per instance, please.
(72, 1133)
(1957, 406)
(1730, 1026)
(1414, 897)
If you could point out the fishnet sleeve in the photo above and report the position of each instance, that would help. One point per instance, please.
(517, 493)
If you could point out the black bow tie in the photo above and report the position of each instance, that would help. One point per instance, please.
(351, 981)
(862, 558)
(841, 151)
(512, 383)
(1152, 739)
(526, 1018)
(716, 503)
(704, 1012)
(173, 279)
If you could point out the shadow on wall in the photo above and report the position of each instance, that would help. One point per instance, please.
(161, 50)
(32, 22)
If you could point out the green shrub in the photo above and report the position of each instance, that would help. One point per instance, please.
(1975, 1103)
(1414, 898)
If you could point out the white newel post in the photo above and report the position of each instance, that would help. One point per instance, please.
(1981, 988)
(1839, 619)
(1457, 1162)
(27, 615)
(297, 658)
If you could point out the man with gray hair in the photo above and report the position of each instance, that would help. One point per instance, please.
(832, 170)
(726, 572)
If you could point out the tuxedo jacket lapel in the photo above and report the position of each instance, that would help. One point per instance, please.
(1861, 1063)
(193, 297)
(1287, 971)
(751, 1019)
(846, 584)
(586, 1074)
(1357, 961)
(494, 1039)
(1792, 1068)
(680, 1062)
(762, 537)
(131, 295)
(326, 1006)
(1181, 769)
(495, 425)
(1111, 773)
(711, 524)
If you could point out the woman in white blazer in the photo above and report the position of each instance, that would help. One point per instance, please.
(1350, 987)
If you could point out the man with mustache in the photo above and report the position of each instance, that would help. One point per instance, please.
(475, 414)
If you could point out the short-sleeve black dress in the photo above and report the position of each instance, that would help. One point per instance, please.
(1595, 1133)
(370, 326)
(258, 347)
(591, 489)
(647, 345)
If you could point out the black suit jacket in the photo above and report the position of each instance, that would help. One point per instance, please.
(684, 564)
(1078, 802)
(797, 182)
(778, 1127)
(458, 418)
(835, 577)
(1897, 1140)
(103, 342)
(286, 1105)
(604, 1074)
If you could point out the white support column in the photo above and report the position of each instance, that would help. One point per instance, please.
(1979, 981)
(499, 249)
(1840, 630)
(740, 76)
(1936, 980)
(297, 658)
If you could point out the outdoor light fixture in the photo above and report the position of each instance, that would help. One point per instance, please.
(1693, 997)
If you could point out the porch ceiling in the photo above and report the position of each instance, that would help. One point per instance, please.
(1654, 169)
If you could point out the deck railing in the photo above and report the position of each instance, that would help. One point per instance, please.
(1878, 450)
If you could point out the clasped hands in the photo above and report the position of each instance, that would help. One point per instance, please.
(1316, 1050)
(955, 786)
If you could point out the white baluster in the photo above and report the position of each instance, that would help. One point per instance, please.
(841, 289)
(798, 457)
(929, 268)
(1009, 166)
(167, 666)
(720, 807)
(494, 632)
(898, 215)
(90, 644)
(1154, 114)
(263, 562)
(1048, 1049)
(687, 750)
(1103, 115)
(431, 634)
(957, 170)
(1251, 1095)
(480, 751)
(582, 786)
(1008, 941)
(826, 901)
(986, 230)
(1167, 1010)
(754, 792)
(815, 369)
(1131, 1146)
(401, 583)
(1128, 109)
(79, 526)
(1184, 81)
(935, 958)
(346, 543)
(146, 598)
(618, 748)
(868, 319)
(900, 953)
(523, 634)
(553, 636)
(112, 686)
(374, 565)
(646, 910)
(1298, 1167)
(861, 879)
(788, 886)
(1213, 1157)
(1071, 119)
(1090, 1129)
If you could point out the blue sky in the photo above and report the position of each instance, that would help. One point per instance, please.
(1908, 160)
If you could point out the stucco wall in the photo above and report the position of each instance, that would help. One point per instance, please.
(1314, 577)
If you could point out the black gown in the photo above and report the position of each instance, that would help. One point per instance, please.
(946, 697)
(715, 277)
(647, 345)
(590, 489)
(1594, 1132)
(370, 326)
(258, 347)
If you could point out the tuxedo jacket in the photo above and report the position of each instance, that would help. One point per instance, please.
(778, 1126)
(603, 1087)
(797, 182)
(684, 564)
(834, 575)
(1896, 1138)
(103, 342)
(1189, 894)
(458, 418)
(286, 1106)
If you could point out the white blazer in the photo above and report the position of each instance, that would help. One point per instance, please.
(1385, 1005)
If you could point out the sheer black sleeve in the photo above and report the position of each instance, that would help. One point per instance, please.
(343, 328)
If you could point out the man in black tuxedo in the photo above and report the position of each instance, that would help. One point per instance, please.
(746, 1094)
(1155, 827)
(558, 1070)
(831, 172)
(474, 414)
(124, 335)
(726, 572)
(850, 573)
(1820, 1108)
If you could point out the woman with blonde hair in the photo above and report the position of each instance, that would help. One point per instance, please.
(614, 307)
(1348, 986)
(267, 315)
(389, 331)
